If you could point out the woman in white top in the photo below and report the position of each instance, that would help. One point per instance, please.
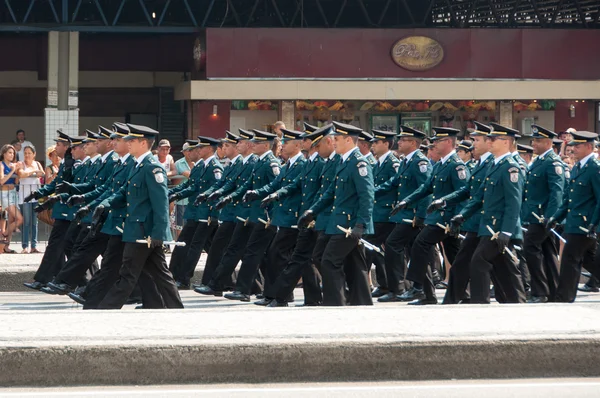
(29, 181)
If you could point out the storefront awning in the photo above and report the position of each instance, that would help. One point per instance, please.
(387, 89)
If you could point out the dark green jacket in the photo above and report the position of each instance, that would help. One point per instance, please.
(384, 200)
(201, 178)
(116, 215)
(467, 192)
(265, 170)
(230, 174)
(499, 199)
(352, 196)
(308, 182)
(98, 175)
(326, 180)
(445, 178)
(61, 211)
(543, 188)
(581, 203)
(412, 173)
(147, 199)
(285, 211)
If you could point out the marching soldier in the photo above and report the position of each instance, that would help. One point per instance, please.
(464, 150)
(239, 150)
(386, 167)
(205, 216)
(251, 237)
(499, 199)
(460, 271)
(112, 258)
(93, 243)
(581, 209)
(526, 153)
(54, 256)
(300, 264)
(285, 213)
(146, 197)
(448, 175)
(543, 197)
(365, 142)
(187, 232)
(414, 171)
(352, 197)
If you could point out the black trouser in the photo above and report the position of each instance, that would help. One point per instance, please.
(232, 255)
(460, 272)
(218, 245)
(422, 256)
(382, 231)
(71, 238)
(579, 250)
(83, 259)
(542, 260)
(397, 251)
(300, 265)
(180, 252)
(201, 237)
(54, 256)
(108, 275)
(344, 263)
(319, 250)
(488, 261)
(278, 257)
(148, 265)
(256, 248)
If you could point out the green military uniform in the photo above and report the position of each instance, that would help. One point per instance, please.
(413, 171)
(147, 217)
(581, 210)
(499, 201)
(205, 216)
(352, 197)
(448, 175)
(542, 198)
(386, 167)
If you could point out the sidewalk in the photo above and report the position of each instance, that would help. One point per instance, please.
(254, 344)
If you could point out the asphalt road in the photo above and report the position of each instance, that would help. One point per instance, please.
(30, 300)
(530, 388)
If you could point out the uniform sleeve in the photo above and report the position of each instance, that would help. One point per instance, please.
(423, 204)
(389, 185)
(270, 187)
(180, 187)
(475, 204)
(118, 199)
(159, 201)
(324, 201)
(512, 184)
(366, 194)
(423, 191)
(460, 177)
(596, 187)
(556, 184)
(562, 210)
(292, 188)
(457, 196)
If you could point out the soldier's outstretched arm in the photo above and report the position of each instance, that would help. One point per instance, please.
(512, 182)
(422, 177)
(556, 185)
(365, 190)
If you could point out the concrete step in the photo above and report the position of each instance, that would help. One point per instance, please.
(244, 343)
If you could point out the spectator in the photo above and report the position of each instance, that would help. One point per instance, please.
(183, 167)
(29, 181)
(164, 158)
(221, 155)
(18, 148)
(277, 129)
(276, 148)
(8, 193)
(22, 143)
(52, 168)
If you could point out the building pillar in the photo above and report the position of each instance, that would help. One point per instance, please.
(62, 110)
(506, 114)
(287, 114)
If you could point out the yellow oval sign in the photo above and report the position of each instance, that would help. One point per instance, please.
(417, 53)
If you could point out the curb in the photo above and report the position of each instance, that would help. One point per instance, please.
(298, 362)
